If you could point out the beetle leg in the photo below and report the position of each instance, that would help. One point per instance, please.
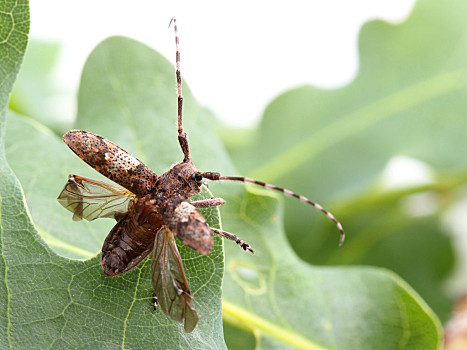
(245, 246)
(154, 302)
(208, 203)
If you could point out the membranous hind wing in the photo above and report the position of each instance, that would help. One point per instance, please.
(169, 281)
(91, 199)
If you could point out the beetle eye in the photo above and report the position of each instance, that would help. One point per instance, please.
(197, 177)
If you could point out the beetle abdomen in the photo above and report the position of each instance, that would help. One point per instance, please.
(131, 239)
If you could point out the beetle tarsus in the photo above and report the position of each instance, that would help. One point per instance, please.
(154, 302)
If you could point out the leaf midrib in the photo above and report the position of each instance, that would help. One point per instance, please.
(317, 143)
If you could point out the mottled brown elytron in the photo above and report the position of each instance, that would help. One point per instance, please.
(150, 210)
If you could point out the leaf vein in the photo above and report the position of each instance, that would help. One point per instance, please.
(291, 158)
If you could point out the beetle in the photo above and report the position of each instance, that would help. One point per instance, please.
(151, 210)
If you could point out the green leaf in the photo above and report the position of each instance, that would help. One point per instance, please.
(14, 29)
(37, 93)
(127, 95)
(289, 303)
(409, 100)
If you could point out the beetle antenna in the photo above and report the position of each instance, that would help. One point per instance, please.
(218, 177)
(182, 140)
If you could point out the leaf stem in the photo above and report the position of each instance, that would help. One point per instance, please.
(248, 321)
(381, 196)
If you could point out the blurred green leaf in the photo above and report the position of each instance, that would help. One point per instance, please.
(408, 99)
(127, 95)
(37, 92)
(237, 338)
(289, 303)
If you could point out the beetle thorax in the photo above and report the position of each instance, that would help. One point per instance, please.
(183, 179)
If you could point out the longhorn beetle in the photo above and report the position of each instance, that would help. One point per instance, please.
(150, 210)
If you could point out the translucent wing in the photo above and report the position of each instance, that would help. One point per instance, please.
(91, 199)
(169, 281)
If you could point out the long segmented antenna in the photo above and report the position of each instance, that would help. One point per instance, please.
(182, 140)
(218, 177)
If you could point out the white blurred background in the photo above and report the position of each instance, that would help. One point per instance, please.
(236, 56)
